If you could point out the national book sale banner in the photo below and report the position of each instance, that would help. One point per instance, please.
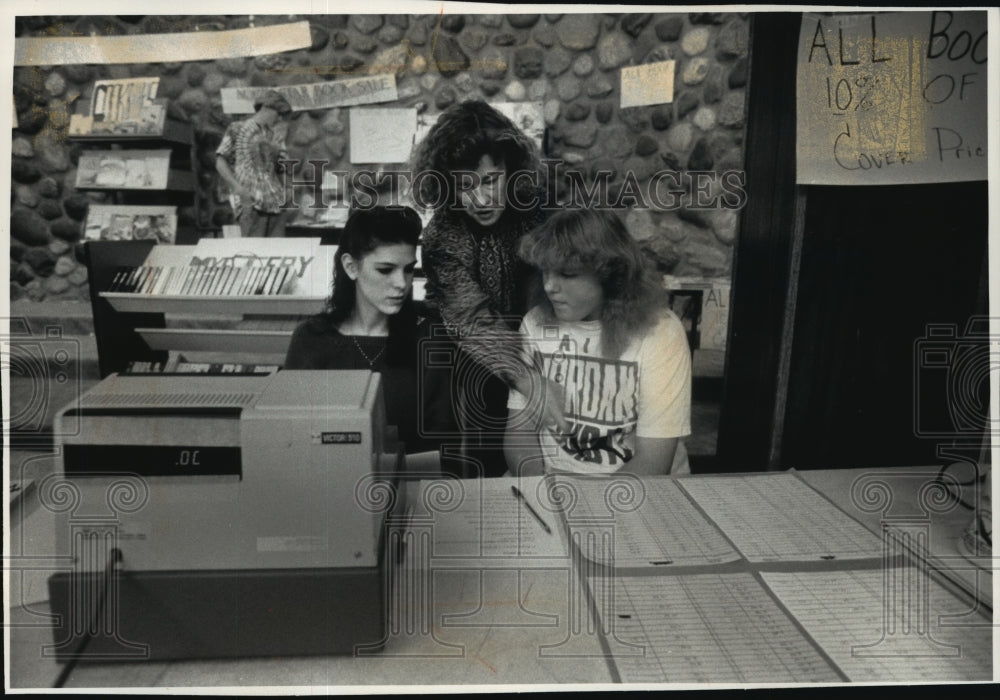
(369, 89)
(891, 98)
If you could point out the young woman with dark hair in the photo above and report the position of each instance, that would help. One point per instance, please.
(602, 331)
(370, 323)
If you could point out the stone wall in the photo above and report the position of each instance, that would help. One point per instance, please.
(570, 63)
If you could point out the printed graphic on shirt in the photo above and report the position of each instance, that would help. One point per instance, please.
(600, 402)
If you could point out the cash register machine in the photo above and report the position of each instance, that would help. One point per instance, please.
(223, 516)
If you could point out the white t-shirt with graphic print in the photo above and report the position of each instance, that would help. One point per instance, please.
(645, 393)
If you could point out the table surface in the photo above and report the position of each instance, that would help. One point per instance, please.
(488, 626)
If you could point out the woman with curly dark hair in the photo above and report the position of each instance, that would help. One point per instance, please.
(370, 323)
(602, 331)
(481, 175)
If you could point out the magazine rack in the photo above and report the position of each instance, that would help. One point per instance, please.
(181, 179)
(131, 325)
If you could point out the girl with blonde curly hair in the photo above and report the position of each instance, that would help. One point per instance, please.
(601, 330)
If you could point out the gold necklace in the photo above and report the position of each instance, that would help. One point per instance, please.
(370, 360)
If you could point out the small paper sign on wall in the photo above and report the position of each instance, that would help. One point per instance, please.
(382, 135)
(649, 84)
(891, 98)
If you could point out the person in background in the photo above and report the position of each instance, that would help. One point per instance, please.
(601, 329)
(370, 323)
(249, 161)
(485, 199)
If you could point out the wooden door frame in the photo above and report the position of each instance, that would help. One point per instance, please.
(765, 260)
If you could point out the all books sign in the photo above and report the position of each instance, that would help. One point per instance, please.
(891, 98)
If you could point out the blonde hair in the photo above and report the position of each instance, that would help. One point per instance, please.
(595, 240)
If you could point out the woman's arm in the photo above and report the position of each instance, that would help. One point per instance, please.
(466, 311)
(652, 456)
(552, 397)
(449, 258)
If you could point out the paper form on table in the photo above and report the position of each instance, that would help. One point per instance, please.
(483, 518)
(702, 628)
(780, 518)
(870, 639)
(663, 530)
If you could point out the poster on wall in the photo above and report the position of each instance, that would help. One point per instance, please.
(891, 98)
(124, 102)
(529, 117)
(128, 106)
(382, 135)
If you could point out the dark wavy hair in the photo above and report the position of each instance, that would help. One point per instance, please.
(596, 240)
(462, 135)
(366, 230)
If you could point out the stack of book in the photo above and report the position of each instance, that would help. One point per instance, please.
(178, 365)
(202, 280)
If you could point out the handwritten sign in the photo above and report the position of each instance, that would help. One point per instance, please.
(703, 302)
(649, 84)
(895, 98)
(338, 93)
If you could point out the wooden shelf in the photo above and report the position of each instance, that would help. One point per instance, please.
(217, 340)
(173, 132)
(261, 305)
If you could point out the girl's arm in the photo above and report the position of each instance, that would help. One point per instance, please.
(521, 447)
(652, 456)
(302, 350)
(664, 398)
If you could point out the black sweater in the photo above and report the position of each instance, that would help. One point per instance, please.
(417, 393)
